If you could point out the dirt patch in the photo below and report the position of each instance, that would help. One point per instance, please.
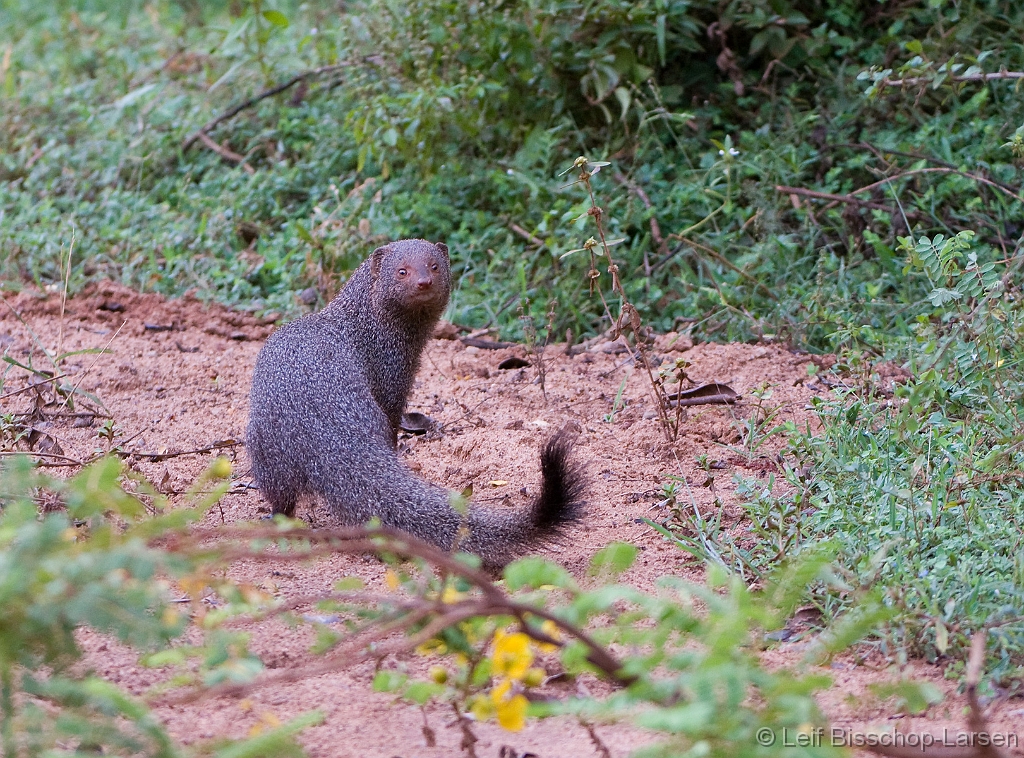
(176, 376)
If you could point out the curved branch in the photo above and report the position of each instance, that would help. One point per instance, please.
(495, 602)
(235, 110)
(938, 170)
(913, 81)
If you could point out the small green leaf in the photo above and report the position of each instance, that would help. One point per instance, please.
(276, 18)
(624, 98)
(913, 697)
(481, 673)
(941, 637)
(459, 501)
(388, 681)
(613, 559)
(421, 692)
(277, 742)
(690, 718)
(172, 657)
(536, 572)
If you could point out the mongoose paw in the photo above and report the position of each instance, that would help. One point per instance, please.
(416, 423)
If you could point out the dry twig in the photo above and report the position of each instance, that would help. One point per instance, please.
(532, 239)
(493, 601)
(849, 199)
(940, 170)
(721, 259)
(979, 734)
(224, 152)
(914, 81)
(218, 445)
(659, 241)
(235, 110)
(29, 388)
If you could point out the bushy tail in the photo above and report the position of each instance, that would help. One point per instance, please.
(498, 538)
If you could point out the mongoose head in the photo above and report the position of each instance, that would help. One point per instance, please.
(411, 275)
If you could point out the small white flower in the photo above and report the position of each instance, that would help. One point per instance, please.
(733, 151)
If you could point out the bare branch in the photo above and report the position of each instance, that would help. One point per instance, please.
(224, 152)
(493, 602)
(218, 445)
(659, 241)
(914, 81)
(935, 170)
(976, 721)
(235, 110)
(532, 239)
(850, 199)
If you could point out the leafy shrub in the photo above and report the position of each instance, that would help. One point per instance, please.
(684, 657)
(462, 114)
(90, 564)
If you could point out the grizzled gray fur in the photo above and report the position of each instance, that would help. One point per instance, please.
(327, 396)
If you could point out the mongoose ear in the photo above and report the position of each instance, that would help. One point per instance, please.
(442, 249)
(375, 260)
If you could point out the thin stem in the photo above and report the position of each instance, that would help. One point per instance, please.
(7, 709)
(626, 310)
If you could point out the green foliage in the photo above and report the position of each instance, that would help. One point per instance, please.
(90, 565)
(920, 494)
(451, 120)
(687, 657)
(612, 560)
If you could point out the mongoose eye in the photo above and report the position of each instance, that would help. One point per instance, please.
(403, 272)
(433, 267)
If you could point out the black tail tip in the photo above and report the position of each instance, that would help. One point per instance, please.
(563, 484)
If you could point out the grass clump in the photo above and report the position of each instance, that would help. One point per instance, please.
(918, 490)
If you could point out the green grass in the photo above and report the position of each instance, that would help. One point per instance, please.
(919, 493)
(464, 140)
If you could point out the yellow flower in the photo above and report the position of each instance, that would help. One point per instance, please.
(193, 585)
(432, 646)
(511, 709)
(534, 677)
(391, 580)
(512, 654)
(481, 707)
(550, 628)
(267, 720)
(451, 595)
(220, 468)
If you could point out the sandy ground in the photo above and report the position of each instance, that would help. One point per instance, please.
(176, 378)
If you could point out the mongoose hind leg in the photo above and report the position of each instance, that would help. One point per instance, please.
(282, 503)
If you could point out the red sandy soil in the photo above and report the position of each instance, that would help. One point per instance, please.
(176, 378)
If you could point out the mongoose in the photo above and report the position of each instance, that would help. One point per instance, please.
(327, 398)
